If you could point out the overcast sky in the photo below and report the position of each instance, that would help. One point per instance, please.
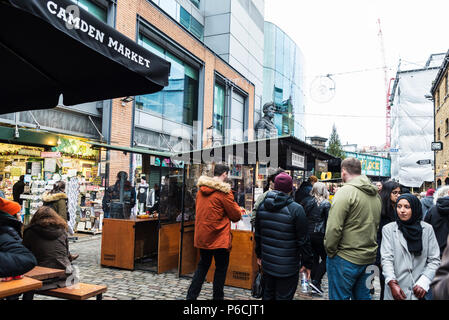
(340, 36)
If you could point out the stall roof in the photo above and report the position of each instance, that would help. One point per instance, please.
(285, 142)
(317, 153)
(131, 150)
(49, 48)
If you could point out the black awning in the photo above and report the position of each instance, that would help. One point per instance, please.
(53, 47)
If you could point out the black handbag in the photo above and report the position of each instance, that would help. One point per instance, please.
(258, 285)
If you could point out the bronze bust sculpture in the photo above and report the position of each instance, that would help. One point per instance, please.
(265, 127)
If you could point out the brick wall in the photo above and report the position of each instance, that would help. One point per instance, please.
(441, 114)
(121, 123)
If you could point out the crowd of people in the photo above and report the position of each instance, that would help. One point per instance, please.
(297, 232)
(367, 226)
(43, 242)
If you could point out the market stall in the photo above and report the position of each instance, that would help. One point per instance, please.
(248, 176)
(147, 240)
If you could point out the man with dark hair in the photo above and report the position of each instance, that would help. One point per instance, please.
(18, 189)
(220, 169)
(351, 234)
(215, 209)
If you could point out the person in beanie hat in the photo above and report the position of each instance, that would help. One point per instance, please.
(427, 202)
(15, 259)
(282, 241)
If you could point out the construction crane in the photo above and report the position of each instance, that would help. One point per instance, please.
(387, 85)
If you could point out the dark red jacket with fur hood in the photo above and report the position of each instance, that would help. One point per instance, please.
(215, 209)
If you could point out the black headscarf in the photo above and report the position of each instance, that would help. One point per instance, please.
(412, 229)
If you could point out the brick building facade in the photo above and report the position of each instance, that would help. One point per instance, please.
(130, 16)
(440, 94)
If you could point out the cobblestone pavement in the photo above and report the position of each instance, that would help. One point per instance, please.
(146, 285)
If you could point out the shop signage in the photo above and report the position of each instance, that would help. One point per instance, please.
(437, 146)
(29, 152)
(98, 180)
(50, 164)
(298, 160)
(320, 166)
(36, 169)
(51, 154)
(17, 171)
(424, 162)
(372, 165)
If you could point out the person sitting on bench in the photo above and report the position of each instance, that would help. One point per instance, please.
(46, 237)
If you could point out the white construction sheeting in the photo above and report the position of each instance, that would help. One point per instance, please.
(412, 127)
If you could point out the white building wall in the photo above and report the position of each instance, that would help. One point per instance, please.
(234, 30)
(412, 127)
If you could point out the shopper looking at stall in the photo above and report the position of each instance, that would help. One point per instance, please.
(283, 247)
(46, 237)
(317, 220)
(15, 258)
(122, 210)
(57, 200)
(410, 252)
(268, 187)
(351, 234)
(304, 189)
(215, 209)
(18, 189)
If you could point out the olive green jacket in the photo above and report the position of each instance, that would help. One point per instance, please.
(354, 217)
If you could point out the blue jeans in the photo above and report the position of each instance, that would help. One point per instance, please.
(347, 280)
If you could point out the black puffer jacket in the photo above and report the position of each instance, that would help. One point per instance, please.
(438, 217)
(15, 259)
(282, 241)
(316, 214)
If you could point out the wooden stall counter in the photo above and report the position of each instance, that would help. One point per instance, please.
(126, 240)
(242, 261)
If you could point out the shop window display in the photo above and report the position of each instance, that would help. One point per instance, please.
(43, 166)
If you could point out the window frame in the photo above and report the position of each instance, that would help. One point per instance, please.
(169, 54)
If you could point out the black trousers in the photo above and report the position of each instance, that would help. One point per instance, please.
(318, 268)
(280, 288)
(221, 257)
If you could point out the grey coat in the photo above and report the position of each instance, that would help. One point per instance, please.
(398, 264)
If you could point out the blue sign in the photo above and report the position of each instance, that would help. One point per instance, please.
(372, 165)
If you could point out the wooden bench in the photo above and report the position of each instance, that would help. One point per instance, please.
(14, 287)
(43, 273)
(79, 291)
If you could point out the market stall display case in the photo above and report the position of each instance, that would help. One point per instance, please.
(149, 241)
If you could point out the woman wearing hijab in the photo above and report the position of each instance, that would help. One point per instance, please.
(389, 194)
(410, 253)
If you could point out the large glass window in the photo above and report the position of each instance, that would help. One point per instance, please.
(196, 3)
(191, 24)
(219, 108)
(92, 7)
(179, 100)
